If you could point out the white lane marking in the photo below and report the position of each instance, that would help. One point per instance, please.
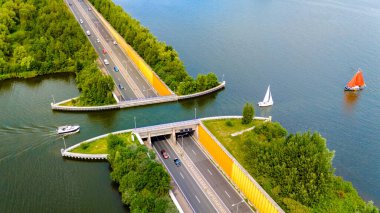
(181, 175)
(197, 199)
(193, 152)
(227, 194)
(209, 171)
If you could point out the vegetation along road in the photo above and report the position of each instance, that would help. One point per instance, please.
(129, 81)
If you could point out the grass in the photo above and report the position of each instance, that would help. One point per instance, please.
(222, 130)
(100, 146)
(68, 103)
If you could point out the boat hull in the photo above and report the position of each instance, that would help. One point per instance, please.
(356, 88)
(68, 130)
(265, 104)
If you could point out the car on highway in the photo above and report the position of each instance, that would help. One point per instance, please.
(88, 33)
(164, 154)
(81, 21)
(115, 69)
(121, 86)
(97, 40)
(114, 42)
(177, 162)
(106, 62)
(104, 51)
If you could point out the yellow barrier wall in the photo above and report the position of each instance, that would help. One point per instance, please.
(215, 151)
(236, 174)
(149, 74)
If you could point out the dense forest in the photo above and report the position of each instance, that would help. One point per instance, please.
(163, 59)
(143, 183)
(296, 170)
(39, 37)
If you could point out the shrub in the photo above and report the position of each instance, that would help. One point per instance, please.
(248, 113)
(229, 123)
(84, 146)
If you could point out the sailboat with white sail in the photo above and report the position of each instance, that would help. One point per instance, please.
(267, 101)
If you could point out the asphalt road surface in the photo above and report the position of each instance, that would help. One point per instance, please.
(129, 81)
(181, 176)
(213, 176)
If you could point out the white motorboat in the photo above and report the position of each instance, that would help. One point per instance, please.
(267, 101)
(68, 129)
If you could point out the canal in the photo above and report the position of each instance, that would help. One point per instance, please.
(306, 50)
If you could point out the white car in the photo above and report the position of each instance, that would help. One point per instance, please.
(114, 42)
(106, 62)
(97, 40)
(81, 21)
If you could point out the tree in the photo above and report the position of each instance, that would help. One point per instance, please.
(248, 113)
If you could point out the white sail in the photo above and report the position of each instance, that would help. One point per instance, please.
(270, 98)
(267, 101)
(267, 94)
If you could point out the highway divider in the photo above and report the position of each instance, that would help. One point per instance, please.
(235, 172)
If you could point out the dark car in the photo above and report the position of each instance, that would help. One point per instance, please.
(177, 162)
(121, 86)
(164, 154)
(115, 69)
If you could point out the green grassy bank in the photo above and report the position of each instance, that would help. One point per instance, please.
(39, 37)
(294, 169)
(143, 182)
(162, 58)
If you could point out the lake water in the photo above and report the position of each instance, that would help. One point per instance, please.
(306, 50)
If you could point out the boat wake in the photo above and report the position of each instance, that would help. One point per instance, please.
(16, 141)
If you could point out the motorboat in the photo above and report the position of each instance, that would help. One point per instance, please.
(267, 101)
(68, 129)
(356, 83)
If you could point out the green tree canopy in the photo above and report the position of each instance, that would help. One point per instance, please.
(248, 113)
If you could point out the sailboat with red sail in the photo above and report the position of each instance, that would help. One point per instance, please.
(356, 83)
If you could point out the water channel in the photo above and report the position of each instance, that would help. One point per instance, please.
(306, 51)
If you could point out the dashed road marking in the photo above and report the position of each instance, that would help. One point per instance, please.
(197, 199)
(181, 175)
(209, 171)
(194, 152)
(227, 194)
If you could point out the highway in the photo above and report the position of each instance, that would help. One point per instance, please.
(194, 195)
(213, 176)
(128, 80)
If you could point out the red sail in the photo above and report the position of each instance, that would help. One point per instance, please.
(352, 83)
(359, 79)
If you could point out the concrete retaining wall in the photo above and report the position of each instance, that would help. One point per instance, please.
(133, 103)
(219, 87)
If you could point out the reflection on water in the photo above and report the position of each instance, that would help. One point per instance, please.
(106, 118)
(350, 100)
(200, 102)
(264, 111)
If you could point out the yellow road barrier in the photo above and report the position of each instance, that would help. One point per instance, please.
(237, 174)
(145, 69)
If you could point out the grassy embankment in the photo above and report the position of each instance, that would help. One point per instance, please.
(42, 37)
(100, 146)
(142, 181)
(295, 170)
(222, 130)
(162, 58)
